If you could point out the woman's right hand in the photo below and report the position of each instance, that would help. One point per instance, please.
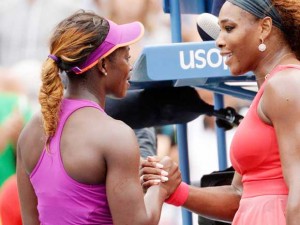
(154, 171)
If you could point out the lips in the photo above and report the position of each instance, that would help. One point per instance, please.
(128, 81)
(227, 56)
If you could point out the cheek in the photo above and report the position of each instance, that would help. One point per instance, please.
(242, 65)
(118, 76)
(120, 89)
(120, 85)
(245, 54)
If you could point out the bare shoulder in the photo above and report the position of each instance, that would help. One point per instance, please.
(32, 132)
(101, 130)
(281, 94)
(119, 137)
(31, 142)
(119, 141)
(89, 140)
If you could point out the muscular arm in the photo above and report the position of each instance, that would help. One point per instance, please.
(218, 203)
(126, 199)
(28, 199)
(281, 105)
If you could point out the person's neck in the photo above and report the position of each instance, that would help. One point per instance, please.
(84, 94)
(270, 61)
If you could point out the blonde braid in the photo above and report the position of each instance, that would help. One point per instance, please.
(50, 96)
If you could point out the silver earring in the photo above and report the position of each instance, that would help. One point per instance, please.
(105, 73)
(262, 47)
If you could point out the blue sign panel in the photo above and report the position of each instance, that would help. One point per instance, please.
(180, 61)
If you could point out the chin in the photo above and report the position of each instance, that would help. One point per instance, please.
(121, 94)
(237, 72)
(116, 95)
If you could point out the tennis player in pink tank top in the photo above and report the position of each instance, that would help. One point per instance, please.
(260, 36)
(75, 164)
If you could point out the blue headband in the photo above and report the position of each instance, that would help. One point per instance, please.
(260, 9)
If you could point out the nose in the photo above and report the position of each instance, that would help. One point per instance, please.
(220, 43)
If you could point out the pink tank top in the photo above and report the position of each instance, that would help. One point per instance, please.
(254, 151)
(61, 199)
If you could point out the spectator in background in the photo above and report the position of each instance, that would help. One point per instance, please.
(166, 141)
(25, 26)
(157, 32)
(14, 112)
(9, 203)
(24, 43)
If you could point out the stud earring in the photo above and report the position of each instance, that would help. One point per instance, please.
(105, 73)
(262, 47)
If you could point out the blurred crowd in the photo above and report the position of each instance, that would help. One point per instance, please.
(26, 25)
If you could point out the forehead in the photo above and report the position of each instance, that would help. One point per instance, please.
(124, 50)
(233, 13)
(120, 52)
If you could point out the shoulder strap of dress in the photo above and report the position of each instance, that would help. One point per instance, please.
(69, 106)
(295, 66)
(283, 67)
(273, 72)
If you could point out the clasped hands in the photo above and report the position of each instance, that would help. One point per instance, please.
(156, 171)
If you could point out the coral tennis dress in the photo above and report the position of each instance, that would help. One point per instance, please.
(61, 199)
(255, 155)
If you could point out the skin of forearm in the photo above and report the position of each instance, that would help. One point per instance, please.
(218, 203)
(293, 215)
(154, 199)
(293, 208)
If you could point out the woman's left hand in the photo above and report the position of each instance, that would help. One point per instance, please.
(154, 171)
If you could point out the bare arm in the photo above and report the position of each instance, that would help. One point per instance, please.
(219, 203)
(28, 199)
(127, 202)
(281, 105)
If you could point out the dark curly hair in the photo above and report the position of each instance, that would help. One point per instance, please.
(290, 17)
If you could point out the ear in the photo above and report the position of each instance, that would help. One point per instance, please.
(102, 66)
(266, 27)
